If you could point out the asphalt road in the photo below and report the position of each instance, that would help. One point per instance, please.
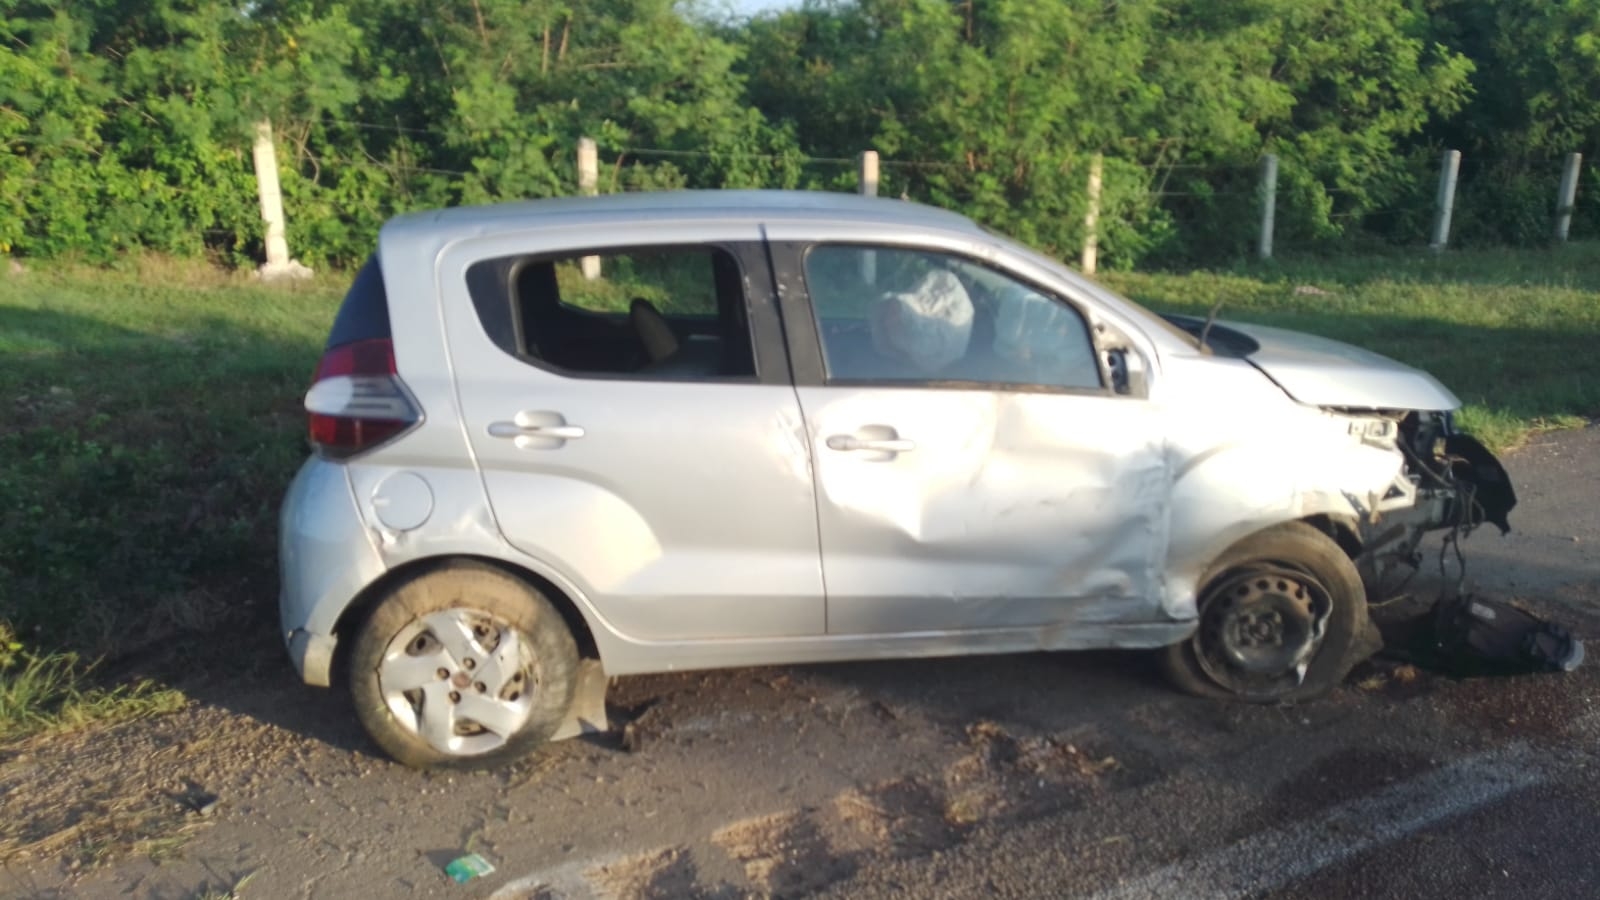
(1064, 775)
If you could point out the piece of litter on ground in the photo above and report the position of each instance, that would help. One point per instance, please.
(468, 867)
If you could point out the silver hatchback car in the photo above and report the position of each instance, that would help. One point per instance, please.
(565, 440)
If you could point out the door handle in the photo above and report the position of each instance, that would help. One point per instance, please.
(514, 430)
(537, 429)
(849, 442)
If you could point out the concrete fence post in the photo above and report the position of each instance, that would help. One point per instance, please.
(589, 186)
(867, 175)
(1449, 168)
(1091, 219)
(265, 157)
(867, 185)
(1567, 195)
(1269, 204)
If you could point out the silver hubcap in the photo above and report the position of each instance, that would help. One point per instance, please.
(460, 679)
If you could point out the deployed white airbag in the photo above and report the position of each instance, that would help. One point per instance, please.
(928, 327)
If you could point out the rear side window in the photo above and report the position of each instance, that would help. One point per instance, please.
(659, 313)
(675, 282)
(364, 314)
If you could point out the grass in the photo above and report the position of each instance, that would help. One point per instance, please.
(150, 420)
(1510, 332)
(55, 690)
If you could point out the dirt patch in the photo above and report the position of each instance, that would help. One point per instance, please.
(1004, 776)
(140, 788)
(665, 874)
(795, 853)
(785, 854)
(902, 818)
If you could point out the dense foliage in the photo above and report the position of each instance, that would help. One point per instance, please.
(127, 124)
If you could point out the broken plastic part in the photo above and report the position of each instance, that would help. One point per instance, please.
(466, 868)
(587, 714)
(1472, 463)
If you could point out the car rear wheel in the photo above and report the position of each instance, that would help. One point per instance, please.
(1283, 617)
(462, 667)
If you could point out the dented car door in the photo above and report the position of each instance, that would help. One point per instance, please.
(974, 468)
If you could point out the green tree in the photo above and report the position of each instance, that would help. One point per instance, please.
(1001, 102)
(1534, 100)
(502, 90)
(127, 125)
(52, 97)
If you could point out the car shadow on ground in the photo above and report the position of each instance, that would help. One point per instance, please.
(1042, 691)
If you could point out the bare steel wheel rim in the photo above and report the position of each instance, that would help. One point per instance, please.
(461, 679)
(1260, 627)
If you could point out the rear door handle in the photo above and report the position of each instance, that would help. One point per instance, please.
(513, 430)
(537, 430)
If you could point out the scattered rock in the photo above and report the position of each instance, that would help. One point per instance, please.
(1400, 676)
(1307, 290)
(633, 738)
(1372, 682)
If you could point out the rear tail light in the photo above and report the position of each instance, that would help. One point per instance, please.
(357, 400)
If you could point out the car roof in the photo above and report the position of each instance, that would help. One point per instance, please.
(678, 206)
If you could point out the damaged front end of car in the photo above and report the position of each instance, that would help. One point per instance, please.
(1451, 482)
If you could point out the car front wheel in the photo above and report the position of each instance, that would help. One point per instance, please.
(1283, 617)
(462, 667)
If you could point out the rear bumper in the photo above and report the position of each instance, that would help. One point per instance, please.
(312, 655)
(325, 559)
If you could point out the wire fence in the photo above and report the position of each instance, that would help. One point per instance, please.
(1199, 208)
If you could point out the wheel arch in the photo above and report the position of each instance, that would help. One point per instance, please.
(360, 607)
(1343, 529)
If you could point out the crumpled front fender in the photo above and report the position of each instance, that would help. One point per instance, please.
(1226, 493)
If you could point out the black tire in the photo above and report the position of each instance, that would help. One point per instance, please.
(1286, 565)
(543, 677)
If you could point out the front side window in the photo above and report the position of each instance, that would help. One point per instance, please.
(899, 315)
